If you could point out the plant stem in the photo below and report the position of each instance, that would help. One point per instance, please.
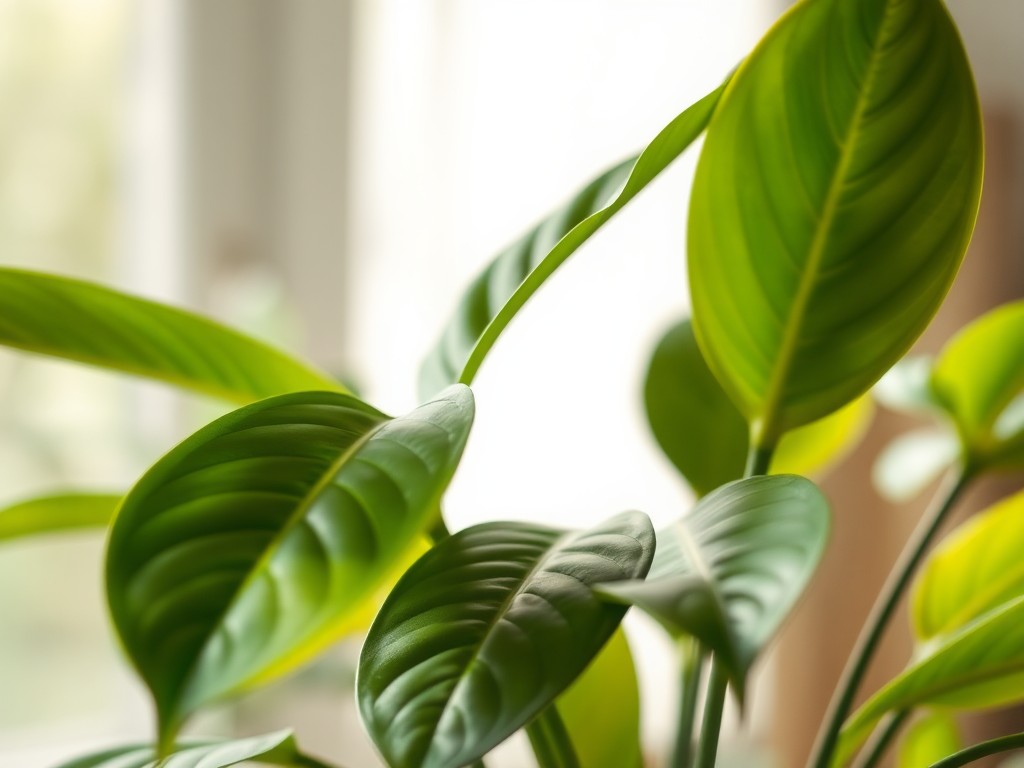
(439, 531)
(885, 605)
(550, 741)
(759, 458)
(883, 738)
(707, 749)
(978, 751)
(691, 662)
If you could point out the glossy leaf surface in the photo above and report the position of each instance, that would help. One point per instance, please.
(56, 514)
(928, 740)
(486, 630)
(977, 377)
(833, 201)
(515, 274)
(88, 323)
(272, 749)
(249, 546)
(729, 572)
(601, 710)
(707, 438)
(975, 569)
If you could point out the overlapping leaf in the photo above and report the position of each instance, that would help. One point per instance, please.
(87, 323)
(272, 749)
(57, 513)
(486, 630)
(729, 572)
(979, 379)
(833, 201)
(246, 548)
(707, 438)
(515, 274)
(601, 710)
(928, 740)
(968, 612)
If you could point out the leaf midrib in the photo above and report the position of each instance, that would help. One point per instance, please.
(536, 568)
(764, 434)
(293, 519)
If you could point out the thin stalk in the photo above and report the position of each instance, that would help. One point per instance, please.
(978, 751)
(707, 749)
(759, 458)
(439, 530)
(878, 746)
(691, 662)
(550, 741)
(885, 605)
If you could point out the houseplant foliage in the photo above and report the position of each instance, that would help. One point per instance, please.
(833, 202)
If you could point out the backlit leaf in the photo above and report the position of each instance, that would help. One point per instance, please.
(515, 274)
(56, 514)
(88, 323)
(833, 202)
(928, 740)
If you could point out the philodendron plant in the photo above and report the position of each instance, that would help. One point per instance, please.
(833, 202)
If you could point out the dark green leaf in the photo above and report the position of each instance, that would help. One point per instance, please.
(833, 201)
(272, 749)
(707, 439)
(729, 572)
(91, 324)
(486, 630)
(57, 513)
(515, 274)
(251, 545)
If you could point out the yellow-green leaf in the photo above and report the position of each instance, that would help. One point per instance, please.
(928, 740)
(833, 202)
(57, 513)
(87, 323)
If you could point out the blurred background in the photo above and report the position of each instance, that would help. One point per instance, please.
(329, 174)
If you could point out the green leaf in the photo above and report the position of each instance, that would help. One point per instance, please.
(486, 630)
(833, 201)
(977, 666)
(250, 546)
(91, 324)
(977, 378)
(976, 568)
(601, 710)
(57, 513)
(515, 274)
(912, 461)
(706, 437)
(272, 749)
(964, 606)
(928, 740)
(730, 571)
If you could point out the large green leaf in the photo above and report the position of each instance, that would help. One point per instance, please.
(601, 710)
(976, 568)
(729, 572)
(928, 740)
(707, 438)
(515, 274)
(248, 547)
(57, 513)
(977, 378)
(272, 749)
(91, 324)
(833, 201)
(486, 630)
